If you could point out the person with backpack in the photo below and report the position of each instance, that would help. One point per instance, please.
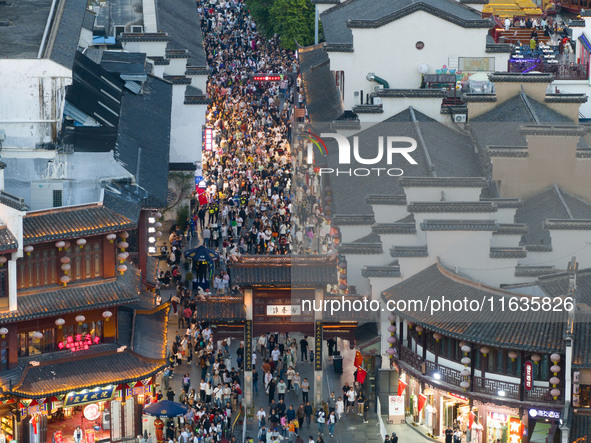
(320, 419)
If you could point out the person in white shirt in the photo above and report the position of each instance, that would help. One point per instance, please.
(351, 395)
(261, 416)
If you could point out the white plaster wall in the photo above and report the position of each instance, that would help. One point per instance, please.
(397, 63)
(352, 233)
(355, 263)
(410, 266)
(430, 106)
(380, 284)
(199, 81)
(506, 215)
(420, 217)
(159, 70)
(427, 194)
(32, 97)
(186, 126)
(566, 244)
(177, 66)
(151, 49)
(505, 241)
(85, 38)
(389, 213)
(389, 240)
(576, 87)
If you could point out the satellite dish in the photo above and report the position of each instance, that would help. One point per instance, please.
(423, 68)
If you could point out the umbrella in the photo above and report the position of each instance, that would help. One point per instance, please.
(202, 253)
(166, 408)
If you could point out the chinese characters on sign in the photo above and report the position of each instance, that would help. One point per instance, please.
(78, 342)
(529, 375)
(515, 430)
(318, 346)
(543, 413)
(283, 310)
(248, 345)
(80, 398)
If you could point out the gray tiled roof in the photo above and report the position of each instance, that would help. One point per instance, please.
(150, 332)
(72, 222)
(323, 99)
(391, 271)
(446, 207)
(501, 125)
(529, 331)
(283, 270)
(77, 297)
(451, 154)
(180, 19)
(394, 228)
(375, 13)
(224, 308)
(508, 252)
(68, 33)
(409, 251)
(459, 225)
(8, 241)
(553, 203)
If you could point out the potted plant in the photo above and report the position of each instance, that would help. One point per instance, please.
(188, 279)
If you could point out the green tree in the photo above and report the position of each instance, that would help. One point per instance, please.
(260, 11)
(294, 21)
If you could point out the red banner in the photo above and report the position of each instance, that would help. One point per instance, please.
(401, 387)
(471, 419)
(358, 359)
(529, 375)
(422, 401)
(361, 374)
(57, 437)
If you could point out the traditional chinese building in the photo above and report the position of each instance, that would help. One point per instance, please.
(71, 316)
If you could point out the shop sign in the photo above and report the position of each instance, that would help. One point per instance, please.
(451, 394)
(78, 342)
(90, 436)
(58, 437)
(84, 397)
(37, 409)
(544, 413)
(515, 430)
(498, 416)
(318, 346)
(92, 412)
(283, 310)
(248, 345)
(529, 375)
(395, 405)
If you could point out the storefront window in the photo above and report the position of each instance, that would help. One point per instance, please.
(94, 328)
(28, 344)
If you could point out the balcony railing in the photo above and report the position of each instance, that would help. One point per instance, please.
(561, 71)
(481, 385)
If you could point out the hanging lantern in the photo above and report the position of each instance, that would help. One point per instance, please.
(28, 249)
(65, 279)
(555, 369)
(391, 351)
(420, 329)
(158, 234)
(465, 372)
(512, 355)
(410, 325)
(391, 340)
(392, 329)
(122, 256)
(65, 260)
(391, 318)
(60, 322)
(80, 319)
(484, 351)
(122, 269)
(107, 315)
(158, 225)
(158, 215)
(3, 332)
(111, 237)
(66, 267)
(465, 349)
(3, 260)
(554, 381)
(81, 242)
(555, 393)
(122, 245)
(67, 245)
(466, 361)
(124, 235)
(555, 358)
(535, 358)
(60, 245)
(37, 335)
(465, 384)
(437, 336)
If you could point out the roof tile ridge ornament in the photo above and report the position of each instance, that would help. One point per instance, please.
(465, 281)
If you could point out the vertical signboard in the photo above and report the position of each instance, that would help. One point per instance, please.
(528, 377)
(318, 346)
(248, 345)
(115, 420)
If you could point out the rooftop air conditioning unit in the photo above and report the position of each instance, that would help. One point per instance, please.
(377, 100)
(460, 118)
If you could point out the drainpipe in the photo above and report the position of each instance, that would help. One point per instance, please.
(374, 78)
